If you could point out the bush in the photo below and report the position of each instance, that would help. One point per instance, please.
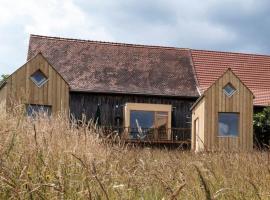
(262, 128)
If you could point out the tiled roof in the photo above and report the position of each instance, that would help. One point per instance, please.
(93, 66)
(253, 70)
(118, 68)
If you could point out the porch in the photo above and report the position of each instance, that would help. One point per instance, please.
(152, 135)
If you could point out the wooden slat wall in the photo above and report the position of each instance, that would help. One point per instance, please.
(86, 103)
(198, 140)
(216, 101)
(22, 90)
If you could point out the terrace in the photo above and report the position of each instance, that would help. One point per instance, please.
(152, 135)
(150, 123)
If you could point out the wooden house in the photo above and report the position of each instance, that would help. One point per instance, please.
(36, 85)
(222, 118)
(102, 80)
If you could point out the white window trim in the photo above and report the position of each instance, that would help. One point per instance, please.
(231, 94)
(42, 83)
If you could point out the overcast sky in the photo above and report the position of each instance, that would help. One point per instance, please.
(226, 25)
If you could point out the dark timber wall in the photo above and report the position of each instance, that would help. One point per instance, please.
(87, 103)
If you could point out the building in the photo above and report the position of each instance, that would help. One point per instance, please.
(36, 85)
(100, 79)
(222, 118)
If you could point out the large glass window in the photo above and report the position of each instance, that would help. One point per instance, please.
(34, 110)
(144, 123)
(161, 123)
(141, 123)
(228, 124)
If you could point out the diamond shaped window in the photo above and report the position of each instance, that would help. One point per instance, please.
(229, 90)
(39, 78)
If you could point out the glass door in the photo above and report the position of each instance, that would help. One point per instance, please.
(161, 124)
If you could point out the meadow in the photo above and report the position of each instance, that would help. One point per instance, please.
(51, 158)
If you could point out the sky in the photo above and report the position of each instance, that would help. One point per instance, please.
(223, 25)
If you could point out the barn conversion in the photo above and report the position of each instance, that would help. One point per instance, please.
(145, 90)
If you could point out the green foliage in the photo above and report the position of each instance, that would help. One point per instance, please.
(3, 78)
(262, 127)
(262, 119)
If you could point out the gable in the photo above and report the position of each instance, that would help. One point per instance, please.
(253, 70)
(118, 68)
(228, 78)
(21, 89)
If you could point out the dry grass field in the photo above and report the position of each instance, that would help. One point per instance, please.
(53, 159)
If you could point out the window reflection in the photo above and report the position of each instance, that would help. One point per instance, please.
(144, 124)
(228, 124)
(34, 110)
(141, 123)
(162, 124)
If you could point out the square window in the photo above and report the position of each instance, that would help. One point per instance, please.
(229, 90)
(228, 124)
(39, 78)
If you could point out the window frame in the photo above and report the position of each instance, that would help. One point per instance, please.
(148, 107)
(39, 85)
(229, 136)
(33, 115)
(155, 117)
(226, 93)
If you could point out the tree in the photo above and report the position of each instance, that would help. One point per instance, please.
(3, 78)
(262, 127)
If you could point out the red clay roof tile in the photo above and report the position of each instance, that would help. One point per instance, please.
(253, 70)
(93, 66)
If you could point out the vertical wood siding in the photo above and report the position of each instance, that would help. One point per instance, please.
(86, 103)
(241, 102)
(22, 90)
(198, 113)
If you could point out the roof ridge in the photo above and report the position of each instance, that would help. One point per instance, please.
(107, 43)
(231, 52)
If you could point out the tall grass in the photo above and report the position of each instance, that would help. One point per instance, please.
(55, 159)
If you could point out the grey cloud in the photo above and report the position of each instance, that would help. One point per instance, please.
(219, 25)
(225, 25)
(249, 20)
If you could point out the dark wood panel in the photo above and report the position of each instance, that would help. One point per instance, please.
(86, 103)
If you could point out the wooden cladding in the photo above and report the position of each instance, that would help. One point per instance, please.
(22, 90)
(112, 106)
(197, 134)
(216, 101)
(155, 108)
